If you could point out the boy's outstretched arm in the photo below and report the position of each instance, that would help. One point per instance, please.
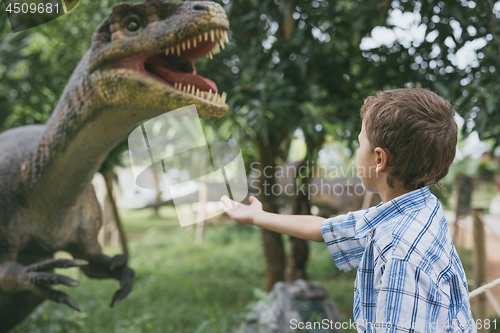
(306, 227)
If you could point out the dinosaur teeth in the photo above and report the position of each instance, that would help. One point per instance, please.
(175, 85)
(219, 36)
(209, 95)
(198, 92)
(224, 95)
(192, 90)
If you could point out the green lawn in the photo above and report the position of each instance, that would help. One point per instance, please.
(180, 286)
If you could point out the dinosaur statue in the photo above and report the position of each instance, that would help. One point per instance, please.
(141, 64)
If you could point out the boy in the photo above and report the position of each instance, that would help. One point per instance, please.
(409, 278)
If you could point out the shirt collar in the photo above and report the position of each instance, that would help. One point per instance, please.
(403, 204)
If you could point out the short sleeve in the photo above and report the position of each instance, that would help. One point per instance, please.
(339, 235)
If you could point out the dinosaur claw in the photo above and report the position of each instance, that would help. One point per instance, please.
(117, 261)
(126, 277)
(56, 263)
(47, 279)
(71, 303)
(122, 293)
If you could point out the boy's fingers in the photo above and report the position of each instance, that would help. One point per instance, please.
(228, 203)
(224, 208)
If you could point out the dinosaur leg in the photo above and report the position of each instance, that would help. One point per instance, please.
(100, 265)
(22, 288)
(15, 307)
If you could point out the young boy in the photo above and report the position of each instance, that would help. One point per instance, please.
(409, 278)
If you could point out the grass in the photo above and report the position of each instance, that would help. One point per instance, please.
(180, 286)
(184, 287)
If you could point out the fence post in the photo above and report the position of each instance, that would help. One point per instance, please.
(480, 262)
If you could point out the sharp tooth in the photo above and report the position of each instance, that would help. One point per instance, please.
(188, 88)
(166, 51)
(184, 89)
(192, 90)
(206, 36)
(209, 95)
(226, 37)
(212, 34)
(189, 44)
(197, 92)
(217, 49)
(172, 50)
(217, 33)
(194, 41)
(221, 42)
(224, 98)
(178, 50)
(175, 85)
(200, 37)
(214, 99)
(183, 46)
(211, 55)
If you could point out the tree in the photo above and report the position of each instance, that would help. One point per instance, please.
(283, 55)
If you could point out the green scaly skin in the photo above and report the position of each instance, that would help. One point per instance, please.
(47, 203)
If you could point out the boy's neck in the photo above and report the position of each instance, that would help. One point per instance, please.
(387, 194)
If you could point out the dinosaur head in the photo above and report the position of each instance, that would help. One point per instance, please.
(143, 56)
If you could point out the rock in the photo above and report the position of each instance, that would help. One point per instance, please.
(288, 304)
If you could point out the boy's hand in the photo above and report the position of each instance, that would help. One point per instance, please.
(241, 212)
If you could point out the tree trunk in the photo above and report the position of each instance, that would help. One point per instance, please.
(299, 248)
(274, 251)
(108, 178)
(157, 179)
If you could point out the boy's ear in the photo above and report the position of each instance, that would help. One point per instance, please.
(382, 157)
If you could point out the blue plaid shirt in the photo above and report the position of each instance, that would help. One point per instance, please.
(410, 278)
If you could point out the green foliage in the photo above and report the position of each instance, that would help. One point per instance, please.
(450, 26)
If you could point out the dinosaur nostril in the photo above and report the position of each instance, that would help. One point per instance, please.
(199, 7)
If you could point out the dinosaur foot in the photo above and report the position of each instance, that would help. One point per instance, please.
(39, 279)
(101, 266)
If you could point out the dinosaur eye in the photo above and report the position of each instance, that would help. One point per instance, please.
(133, 25)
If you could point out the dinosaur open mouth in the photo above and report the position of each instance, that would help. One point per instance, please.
(176, 66)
